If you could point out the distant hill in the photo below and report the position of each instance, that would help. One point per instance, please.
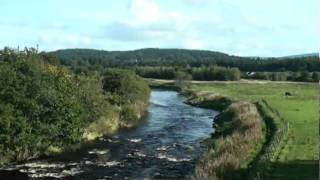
(91, 59)
(302, 55)
(286, 57)
(148, 54)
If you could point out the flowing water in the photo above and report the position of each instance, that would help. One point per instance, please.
(166, 145)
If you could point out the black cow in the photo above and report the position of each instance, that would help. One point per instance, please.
(287, 94)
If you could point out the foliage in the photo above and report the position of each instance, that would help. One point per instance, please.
(284, 76)
(197, 73)
(126, 84)
(216, 73)
(129, 91)
(160, 72)
(78, 59)
(181, 77)
(45, 108)
(39, 106)
(207, 99)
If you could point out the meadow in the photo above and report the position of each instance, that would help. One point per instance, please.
(297, 158)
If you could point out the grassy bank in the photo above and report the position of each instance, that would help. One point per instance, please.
(296, 156)
(238, 130)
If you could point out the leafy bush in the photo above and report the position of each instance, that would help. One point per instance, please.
(39, 105)
(129, 91)
(126, 84)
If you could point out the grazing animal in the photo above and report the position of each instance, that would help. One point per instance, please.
(287, 94)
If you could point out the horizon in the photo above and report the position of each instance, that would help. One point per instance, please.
(250, 28)
(288, 55)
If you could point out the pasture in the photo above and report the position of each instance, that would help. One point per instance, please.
(299, 155)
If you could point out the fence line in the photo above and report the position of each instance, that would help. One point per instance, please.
(278, 131)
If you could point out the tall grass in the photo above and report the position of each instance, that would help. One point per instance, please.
(238, 137)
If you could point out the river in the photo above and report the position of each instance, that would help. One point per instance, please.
(166, 145)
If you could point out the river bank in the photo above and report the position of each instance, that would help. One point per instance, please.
(239, 129)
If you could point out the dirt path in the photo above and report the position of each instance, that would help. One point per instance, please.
(245, 81)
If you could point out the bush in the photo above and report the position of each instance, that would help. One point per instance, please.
(126, 84)
(128, 91)
(39, 106)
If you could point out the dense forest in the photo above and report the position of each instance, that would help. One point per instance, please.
(45, 108)
(165, 63)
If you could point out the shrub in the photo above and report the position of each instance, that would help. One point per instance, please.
(39, 106)
(126, 84)
(129, 91)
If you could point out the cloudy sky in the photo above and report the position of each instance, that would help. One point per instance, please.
(240, 27)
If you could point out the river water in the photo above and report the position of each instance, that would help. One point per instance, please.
(166, 145)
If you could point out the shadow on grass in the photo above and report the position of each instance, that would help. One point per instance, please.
(300, 169)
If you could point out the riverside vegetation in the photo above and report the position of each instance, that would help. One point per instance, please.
(45, 109)
(237, 140)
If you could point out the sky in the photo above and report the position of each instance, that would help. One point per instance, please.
(237, 27)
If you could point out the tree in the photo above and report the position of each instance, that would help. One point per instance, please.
(181, 78)
(129, 91)
(305, 76)
(315, 76)
(126, 84)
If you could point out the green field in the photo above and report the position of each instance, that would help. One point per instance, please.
(298, 158)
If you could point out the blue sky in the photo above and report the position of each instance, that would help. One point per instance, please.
(240, 27)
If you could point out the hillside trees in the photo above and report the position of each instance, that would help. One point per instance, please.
(79, 58)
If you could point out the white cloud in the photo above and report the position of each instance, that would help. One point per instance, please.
(148, 12)
(145, 11)
(194, 44)
(147, 21)
(61, 39)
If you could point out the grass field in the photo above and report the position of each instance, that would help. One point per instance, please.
(298, 159)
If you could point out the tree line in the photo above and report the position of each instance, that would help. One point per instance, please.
(198, 73)
(303, 76)
(88, 59)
